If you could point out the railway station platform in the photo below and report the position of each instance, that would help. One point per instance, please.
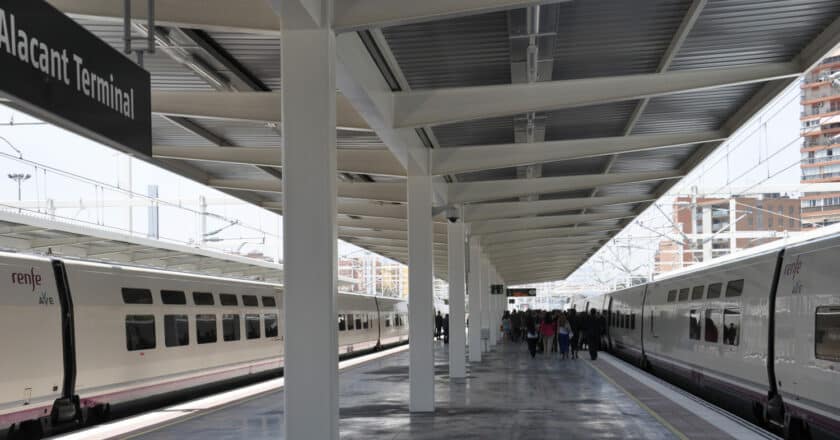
(506, 396)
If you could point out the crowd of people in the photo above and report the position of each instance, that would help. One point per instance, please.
(563, 332)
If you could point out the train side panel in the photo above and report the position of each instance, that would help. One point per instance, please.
(113, 369)
(30, 337)
(807, 348)
(625, 322)
(707, 330)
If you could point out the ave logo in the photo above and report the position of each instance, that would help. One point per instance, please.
(32, 281)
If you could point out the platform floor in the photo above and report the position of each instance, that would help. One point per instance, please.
(507, 396)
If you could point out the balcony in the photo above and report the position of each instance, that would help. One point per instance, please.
(819, 93)
(820, 176)
(816, 160)
(821, 141)
(820, 209)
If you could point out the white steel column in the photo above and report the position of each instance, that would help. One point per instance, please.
(494, 326)
(309, 226)
(457, 335)
(485, 300)
(475, 300)
(420, 289)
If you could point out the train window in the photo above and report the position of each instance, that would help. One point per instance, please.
(694, 328)
(652, 328)
(366, 320)
(230, 327)
(714, 291)
(176, 330)
(268, 301)
(203, 299)
(270, 321)
(350, 322)
(731, 325)
(633, 321)
(672, 296)
(140, 332)
(205, 328)
(175, 297)
(387, 320)
(250, 301)
(228, 299)
(712, 321)
(358, 321)
(734, 288)
(342, 323)
(697, 292)
(827, 333)
(136, 296)
(683, 294)
(252, 326)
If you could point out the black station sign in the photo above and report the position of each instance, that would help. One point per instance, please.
(518, 292)
(55, 69)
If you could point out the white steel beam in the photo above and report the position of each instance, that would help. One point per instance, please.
(377, 162)
(353, 15)
(515, 236)
(392, 235)
(517, 224)
(381, 191)
(591, 239)
(465, 192)
(539, 252)
(252, 16)
(384, 224)
(363, 241)
(486, 211)
(479, 157)
(263, 107)
(440, 106)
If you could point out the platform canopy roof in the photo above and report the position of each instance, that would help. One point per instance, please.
(550, 124)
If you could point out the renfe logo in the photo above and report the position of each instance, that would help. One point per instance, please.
(27, 279)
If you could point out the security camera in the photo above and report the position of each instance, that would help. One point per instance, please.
(452, 214)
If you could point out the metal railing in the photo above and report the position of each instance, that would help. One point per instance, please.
(820, 176)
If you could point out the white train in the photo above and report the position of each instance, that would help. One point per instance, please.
(78, 337)
(758, 334)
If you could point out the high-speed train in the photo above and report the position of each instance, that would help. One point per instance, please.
(757, 334)
(78, 337)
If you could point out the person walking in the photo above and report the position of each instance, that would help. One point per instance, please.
(446, 329)
(438, 324)
(564, 331)
(506, 326)
(531, 336)
(593, 333)
(547, 333)
(574, 340)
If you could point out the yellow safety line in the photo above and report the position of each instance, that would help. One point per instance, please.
(655, 415)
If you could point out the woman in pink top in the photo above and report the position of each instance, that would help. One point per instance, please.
(547, 332)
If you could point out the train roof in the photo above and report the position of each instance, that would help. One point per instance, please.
(830, 232)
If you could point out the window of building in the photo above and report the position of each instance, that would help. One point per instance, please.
(694, 329)
(714, 291)
(136, 296)
(731, 326)
(252, 326)
(176, 330)
(250, 301)
(734, 288)
(268, 301)
(173, 297)
(205, 328)
(203, 299)
(683, 294)
(140, 331)
(342, 323)
(791, 220)
(230, 327)
(750, 220)
(228, 299)
(672, 296)
(770, 220)
(271, 328)
(697, 292)
(712, 321)
(827, 333)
